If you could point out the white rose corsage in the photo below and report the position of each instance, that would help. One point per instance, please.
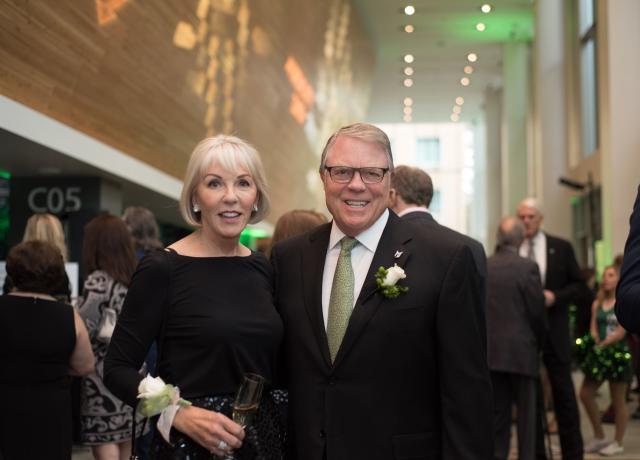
(157, 397)
(387, 279)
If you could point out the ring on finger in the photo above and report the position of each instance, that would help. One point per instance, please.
(222, 445)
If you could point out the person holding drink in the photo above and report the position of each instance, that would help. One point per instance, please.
(208, 302)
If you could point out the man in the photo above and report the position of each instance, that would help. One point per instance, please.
(410, 196)
(379, 373)
(516, 328)
(562, 282)
(628, 292)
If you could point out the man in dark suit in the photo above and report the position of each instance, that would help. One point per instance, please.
(409, 197)
(628, 291)
(516, 328)
(563, 283)
(379, 372)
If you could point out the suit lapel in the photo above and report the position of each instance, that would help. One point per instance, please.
(391, 250)
(312, 271)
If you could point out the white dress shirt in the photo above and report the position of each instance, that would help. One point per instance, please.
(361, 258)
(413, 209)
(539, 252)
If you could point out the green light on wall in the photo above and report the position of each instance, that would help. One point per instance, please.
(5, 174)
(250, 235)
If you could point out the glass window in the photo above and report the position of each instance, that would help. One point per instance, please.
(436, 204)
(588, 80)
(428, 151)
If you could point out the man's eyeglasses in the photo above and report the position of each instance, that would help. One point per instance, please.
(344, 174)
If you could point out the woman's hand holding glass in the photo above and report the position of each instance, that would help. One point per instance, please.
(212, 430)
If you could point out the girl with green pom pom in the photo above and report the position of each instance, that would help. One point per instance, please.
(605, 356)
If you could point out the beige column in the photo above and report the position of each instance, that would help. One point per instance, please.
(618, 69)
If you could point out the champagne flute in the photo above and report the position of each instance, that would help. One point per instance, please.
(247, 401)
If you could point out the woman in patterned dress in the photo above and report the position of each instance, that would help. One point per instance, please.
(110, 260)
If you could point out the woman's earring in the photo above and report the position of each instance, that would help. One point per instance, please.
(255, 207)
(196, 207)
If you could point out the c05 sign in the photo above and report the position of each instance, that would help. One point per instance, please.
(55, 200)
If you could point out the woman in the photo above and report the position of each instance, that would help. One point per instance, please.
(208, 302)
(46, 227)
(296, 222)
(606, 331)
(42, 343)
(110, 260)
(144, 229)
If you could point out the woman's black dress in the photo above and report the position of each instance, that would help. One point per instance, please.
(37, 338)
(220, 323)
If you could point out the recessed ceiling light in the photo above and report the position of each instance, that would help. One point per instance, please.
(407, 110)
(459, 100)
(468, 69)
(454, 117)
(464, 81)
(407, 118)
(409, 10)
(480, 27)
(472, 57)
(457, 109)
(409, 29)
(486, 8)
(408, 58)
(408, 82)
(408, 71)
(408, 101)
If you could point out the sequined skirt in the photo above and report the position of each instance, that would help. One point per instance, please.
(264, 439)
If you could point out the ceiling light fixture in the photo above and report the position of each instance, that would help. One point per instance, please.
(409, 10)
(480, 27)
(459, 100)
(468, 69)
(408, 101)
(407, 110)
(408, 71)
(486, 8)
(457, 109)
(408, 58)
(471, 57)
(464, 81)
(454, 117)
(407, 118)
(409, 29)
(408, 82)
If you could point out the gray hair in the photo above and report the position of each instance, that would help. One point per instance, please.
(365, 132)
(233, 154)
(531, 202)
(510, 232)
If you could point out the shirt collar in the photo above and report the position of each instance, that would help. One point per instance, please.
(413, 209)
(369, 238)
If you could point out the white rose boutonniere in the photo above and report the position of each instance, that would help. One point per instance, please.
(387, 279)
(156, 396)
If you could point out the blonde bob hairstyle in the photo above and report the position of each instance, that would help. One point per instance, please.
(233, 154)
(46, 227)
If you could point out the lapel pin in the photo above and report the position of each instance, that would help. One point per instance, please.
(397, 254)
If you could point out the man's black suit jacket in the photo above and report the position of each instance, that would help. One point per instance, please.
(628, 292)
(516, 320)
(479, 260)
(410, 380)
(564, 279)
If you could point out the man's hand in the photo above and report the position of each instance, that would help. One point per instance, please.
(549, 298)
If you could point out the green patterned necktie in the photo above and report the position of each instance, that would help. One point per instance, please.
(341, 300)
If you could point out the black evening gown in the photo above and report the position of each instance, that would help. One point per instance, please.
(219, 322)
(37, 338)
